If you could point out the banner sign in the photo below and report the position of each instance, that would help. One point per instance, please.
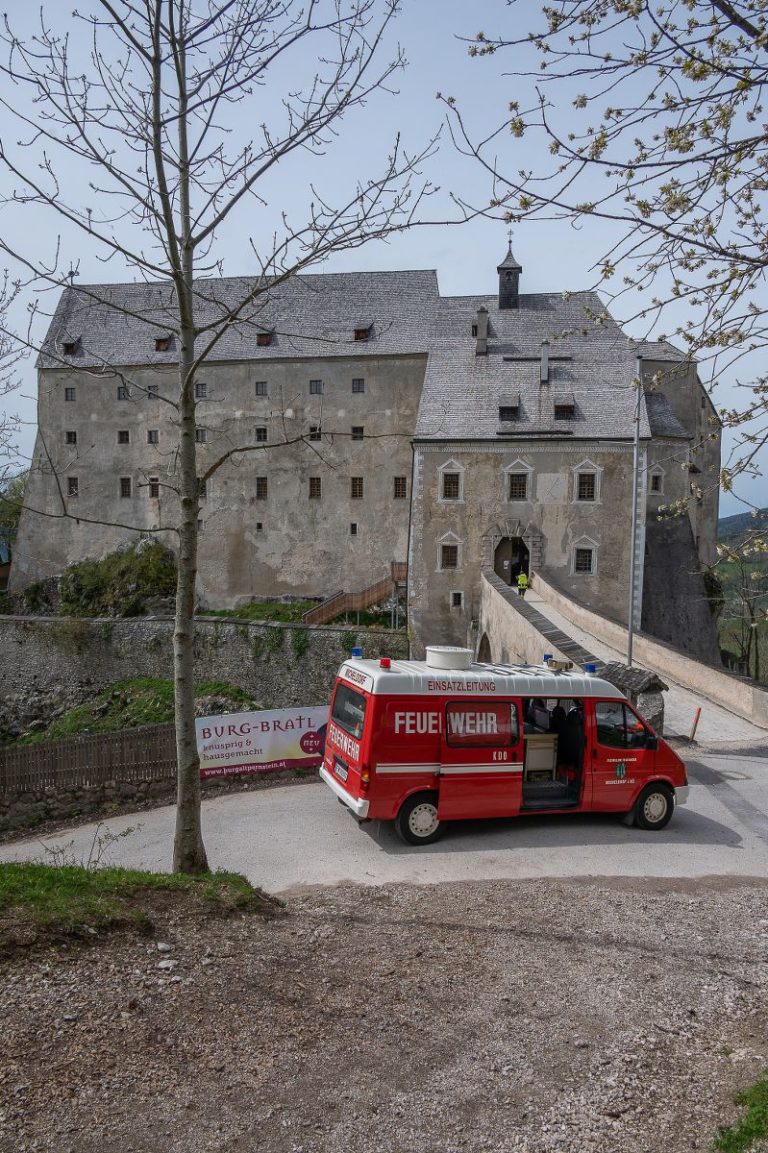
(263, 742)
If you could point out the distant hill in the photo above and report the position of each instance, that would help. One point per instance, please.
(733, 527)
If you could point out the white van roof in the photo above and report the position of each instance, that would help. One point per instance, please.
(406, 678)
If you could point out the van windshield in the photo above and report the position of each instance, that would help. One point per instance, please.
(349, 711)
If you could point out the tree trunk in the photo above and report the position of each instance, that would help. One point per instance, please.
(188, 849)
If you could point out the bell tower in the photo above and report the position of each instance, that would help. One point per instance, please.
(509, 280)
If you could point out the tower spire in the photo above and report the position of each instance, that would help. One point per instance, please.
(509, 278)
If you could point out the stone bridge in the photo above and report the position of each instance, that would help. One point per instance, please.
(520, 631)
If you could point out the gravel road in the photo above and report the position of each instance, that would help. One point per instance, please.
(610, 1016)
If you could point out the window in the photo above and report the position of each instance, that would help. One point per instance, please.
(123, 436)
(353, 529)
(451, 486)
(259, 526)
(401, 488)
(509, 412)
(315, 432)
(587, 481)
(518, 486)
(201, 390)
(358, 432)
(70, 394)
(263, 339)
(348, 711)
(565, 410)
(358, 384)
(200, 435)
(153, 391)
(356, 488)
(619, 727)
(586, 486)
(163, 343)
(315, 387)
(261, 434)
(261, 388)
(362, 333)
(154, 487)
(70, 437)
(657, 482)
(70, 347)
(123, 392)
(202, 488)
(457, 600)
(73, 486)
(261, 488)
(475, 724)
(583, 560)
(449, 556)
(315, 487)
(125, 486)
(153, 436)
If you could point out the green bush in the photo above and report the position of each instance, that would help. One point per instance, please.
(299, 642)
(348, 641)
(121, 583)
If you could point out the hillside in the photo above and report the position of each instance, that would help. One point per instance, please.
(730, 528)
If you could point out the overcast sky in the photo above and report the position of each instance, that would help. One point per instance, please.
(555, 257)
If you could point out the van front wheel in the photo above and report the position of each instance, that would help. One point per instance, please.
(417, 822)
(655, 806)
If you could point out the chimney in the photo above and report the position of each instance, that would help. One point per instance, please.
(481, 331)
(544, 376)
(509, 281)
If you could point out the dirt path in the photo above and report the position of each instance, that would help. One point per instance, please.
(606, 1017)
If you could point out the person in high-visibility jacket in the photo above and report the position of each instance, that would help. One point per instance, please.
(522, 584)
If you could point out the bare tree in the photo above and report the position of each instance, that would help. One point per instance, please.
(151, 111)
(11, 352)
(743, 575)
(650, 119)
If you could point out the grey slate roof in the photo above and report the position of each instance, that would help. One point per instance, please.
(313, 315)
(591, 363)
(662, 419)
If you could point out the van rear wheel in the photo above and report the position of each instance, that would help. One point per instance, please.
(417, 822)
(655, 807)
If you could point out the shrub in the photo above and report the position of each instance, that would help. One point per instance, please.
(121, 583)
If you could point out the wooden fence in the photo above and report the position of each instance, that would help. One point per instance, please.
(147, 754)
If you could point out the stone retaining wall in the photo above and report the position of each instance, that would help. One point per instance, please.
(68, 658)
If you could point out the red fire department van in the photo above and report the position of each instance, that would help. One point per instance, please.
(423, 743)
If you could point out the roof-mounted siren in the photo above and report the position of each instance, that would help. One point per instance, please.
(448, 657)
(481, 331)
(544, 373)
(555, 666)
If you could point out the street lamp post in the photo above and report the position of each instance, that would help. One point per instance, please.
(633, 527)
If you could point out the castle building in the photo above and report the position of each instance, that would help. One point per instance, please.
(361, 419)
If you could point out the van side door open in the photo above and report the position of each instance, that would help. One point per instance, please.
(481, 764)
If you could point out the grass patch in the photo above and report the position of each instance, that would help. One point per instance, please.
(43, 903)
(265, 611)
(753, 1126)
(128, 704)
